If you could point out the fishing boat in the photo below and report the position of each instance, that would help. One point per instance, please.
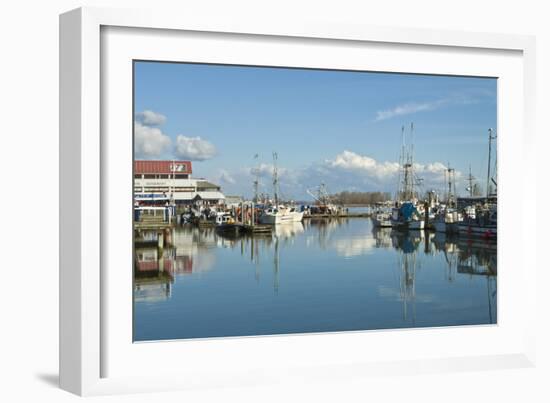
(323, 203)
(447, 221)
(484, 224)
(446, 215)
(225, 224)
(406, 215)
(278, 213)
(381, 220)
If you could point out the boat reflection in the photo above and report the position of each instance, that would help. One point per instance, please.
(190, 251)
(462, 257)
(153, 275)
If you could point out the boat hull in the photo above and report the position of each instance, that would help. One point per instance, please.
(472, 230)
(381, 222)
(408, 225)
(440, 226)
(281, 218)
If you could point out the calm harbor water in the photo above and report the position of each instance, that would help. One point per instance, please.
(316, 276)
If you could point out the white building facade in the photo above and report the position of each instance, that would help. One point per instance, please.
(158, 182)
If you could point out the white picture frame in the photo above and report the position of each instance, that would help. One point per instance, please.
(93, 360)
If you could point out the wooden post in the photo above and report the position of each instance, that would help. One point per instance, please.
(161, 240)
(426, 214)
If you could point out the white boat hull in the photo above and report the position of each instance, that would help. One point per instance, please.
(381, 222)
(408, 225)
(281, 217)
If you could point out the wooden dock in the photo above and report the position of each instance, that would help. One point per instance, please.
(140, 226)
(152, 222)
(257, 228)
(240, 228)
(153, 218)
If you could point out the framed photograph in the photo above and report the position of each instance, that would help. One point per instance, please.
(248, 201)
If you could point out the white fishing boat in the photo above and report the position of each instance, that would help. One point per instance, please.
(280, 214)
(381, 220)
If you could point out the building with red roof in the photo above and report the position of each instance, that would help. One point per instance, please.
(160, 182)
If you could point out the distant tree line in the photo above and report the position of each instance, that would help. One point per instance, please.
(360, 197)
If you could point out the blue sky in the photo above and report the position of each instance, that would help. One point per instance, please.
(342, 128)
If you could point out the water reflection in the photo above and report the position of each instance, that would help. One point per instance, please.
(438, 273)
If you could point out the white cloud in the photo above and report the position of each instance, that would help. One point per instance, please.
(463, 97)
(150, 118)
(226, 177)
(409, 108)
(194, 148)
(434, 174)
(348, 160)
(266, 170)
(348, 170)
(149, 142)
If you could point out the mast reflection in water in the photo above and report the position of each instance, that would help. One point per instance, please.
(326, 275)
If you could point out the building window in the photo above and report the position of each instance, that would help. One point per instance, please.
(156, 189)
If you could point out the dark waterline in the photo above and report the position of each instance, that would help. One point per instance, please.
(317, 276)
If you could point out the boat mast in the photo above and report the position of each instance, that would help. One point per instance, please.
(256, 181)
(275, 180)
(400, 187)
(408, 169)
(491, 138)
(470, 181)
(451, 192)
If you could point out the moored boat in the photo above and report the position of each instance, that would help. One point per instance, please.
(406, 217)
(381, 220)
(447, 221)
(280, 214)
(225, 223)
(483, 225)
